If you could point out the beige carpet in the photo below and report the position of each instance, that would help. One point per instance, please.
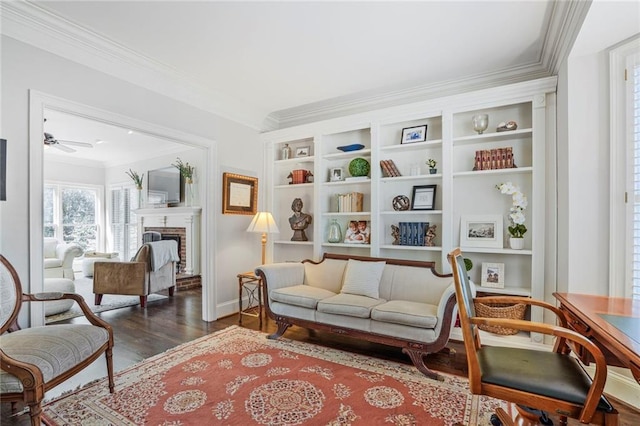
(84, 287)
(238, 377)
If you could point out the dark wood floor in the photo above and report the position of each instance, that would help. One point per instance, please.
(141, 333)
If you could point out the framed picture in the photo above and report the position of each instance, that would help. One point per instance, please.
(239, 194)
(358, 232)
(492, 275)
(336, 174)
(303, 151)
(424, 197)
(481, 231)
(414, 134)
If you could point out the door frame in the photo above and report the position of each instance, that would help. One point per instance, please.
(38, 103)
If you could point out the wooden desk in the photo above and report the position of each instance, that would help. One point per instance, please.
(585, 315)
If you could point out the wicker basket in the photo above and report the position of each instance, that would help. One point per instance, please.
(509, 311)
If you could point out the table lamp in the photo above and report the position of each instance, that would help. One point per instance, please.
(263, 222)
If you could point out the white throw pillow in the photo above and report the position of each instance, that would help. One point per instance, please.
(363, 278)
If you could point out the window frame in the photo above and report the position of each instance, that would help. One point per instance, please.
(58, 187)
(621, 167)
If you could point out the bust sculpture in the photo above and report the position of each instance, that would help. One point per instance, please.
(299, 221)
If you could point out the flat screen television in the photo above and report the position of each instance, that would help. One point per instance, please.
(163, 186)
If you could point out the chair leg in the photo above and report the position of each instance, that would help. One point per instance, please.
(109, 355)
(143, 301)
(98, 299)
(35, 412)
(171, 290)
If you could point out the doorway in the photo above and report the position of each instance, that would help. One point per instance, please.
(42, 104)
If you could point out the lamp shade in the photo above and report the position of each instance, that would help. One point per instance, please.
(263, 222)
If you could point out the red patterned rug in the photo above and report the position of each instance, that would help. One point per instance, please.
(238, 377)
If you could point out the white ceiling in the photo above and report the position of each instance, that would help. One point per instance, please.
(283, 60)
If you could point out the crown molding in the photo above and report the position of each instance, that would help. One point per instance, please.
(34, 25)
(31, 24)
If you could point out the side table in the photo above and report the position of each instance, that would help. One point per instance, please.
(252, 286)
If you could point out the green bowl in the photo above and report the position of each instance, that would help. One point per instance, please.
(359, 167)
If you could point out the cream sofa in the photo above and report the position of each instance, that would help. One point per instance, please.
(58, 258)
(396, 302)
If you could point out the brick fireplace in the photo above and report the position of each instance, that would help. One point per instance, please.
(181, 224)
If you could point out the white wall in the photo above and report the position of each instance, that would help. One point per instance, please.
(25, 67)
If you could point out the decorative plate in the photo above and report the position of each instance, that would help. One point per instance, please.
(352, 147)
(359, 167)
(401, 202)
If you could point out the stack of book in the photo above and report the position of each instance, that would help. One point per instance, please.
(492, 159)
(351, 202)
(389, 168)
(413, 233)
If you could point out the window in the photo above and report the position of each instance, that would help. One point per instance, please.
(124, 229)
(625, 170)
(71, 214)
(633, 73)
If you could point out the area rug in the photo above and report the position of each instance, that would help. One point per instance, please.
(238, 377)
(84, 287)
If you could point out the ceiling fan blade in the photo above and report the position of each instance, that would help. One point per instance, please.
(74, 143)
(63, 148)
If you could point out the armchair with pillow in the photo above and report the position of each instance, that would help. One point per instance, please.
(152, 269)
(58, 258)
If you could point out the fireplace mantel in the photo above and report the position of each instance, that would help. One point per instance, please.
(176, 217)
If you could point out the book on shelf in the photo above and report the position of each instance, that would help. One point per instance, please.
(494, 159)
(413, 233)
(351, 202)
(389, 168)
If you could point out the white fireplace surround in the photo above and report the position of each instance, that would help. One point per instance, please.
(176, 217)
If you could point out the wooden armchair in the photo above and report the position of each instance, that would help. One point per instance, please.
(36, 359)
(552, 381)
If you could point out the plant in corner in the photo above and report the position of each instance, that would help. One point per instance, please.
(137, 179)
(432, 165)
(516, 212)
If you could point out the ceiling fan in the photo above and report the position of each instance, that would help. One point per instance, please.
(61, 144)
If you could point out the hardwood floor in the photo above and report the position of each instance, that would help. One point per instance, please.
(166, 323)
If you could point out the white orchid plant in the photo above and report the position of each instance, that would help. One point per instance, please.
(516, 212)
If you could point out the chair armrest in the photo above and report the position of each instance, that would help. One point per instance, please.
(566, 335)
(56, 295)
(527, 301)
(29, 375)
(66, 252)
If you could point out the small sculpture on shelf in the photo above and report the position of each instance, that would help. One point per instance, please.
(395, 234)
(430, 236)
(299, 221)
(508, 126)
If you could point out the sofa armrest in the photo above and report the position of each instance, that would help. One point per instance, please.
(279, 275)
(66, 252)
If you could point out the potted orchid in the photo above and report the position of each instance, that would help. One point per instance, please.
(432, 166)
(517, 229)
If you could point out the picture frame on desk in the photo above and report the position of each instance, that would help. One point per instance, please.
(414, 134)
(239, 194)
(481, 231)
(492, 275)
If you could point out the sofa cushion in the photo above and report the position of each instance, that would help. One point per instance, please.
(326, 274)
(49, 247)
(403, 312)
(52, 263)
(362, 278)
(349, 304)
(300, 295)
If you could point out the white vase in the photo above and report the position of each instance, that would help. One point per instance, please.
(516, 243)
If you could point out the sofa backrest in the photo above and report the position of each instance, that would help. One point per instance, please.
(49, 247)
(401, 279)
